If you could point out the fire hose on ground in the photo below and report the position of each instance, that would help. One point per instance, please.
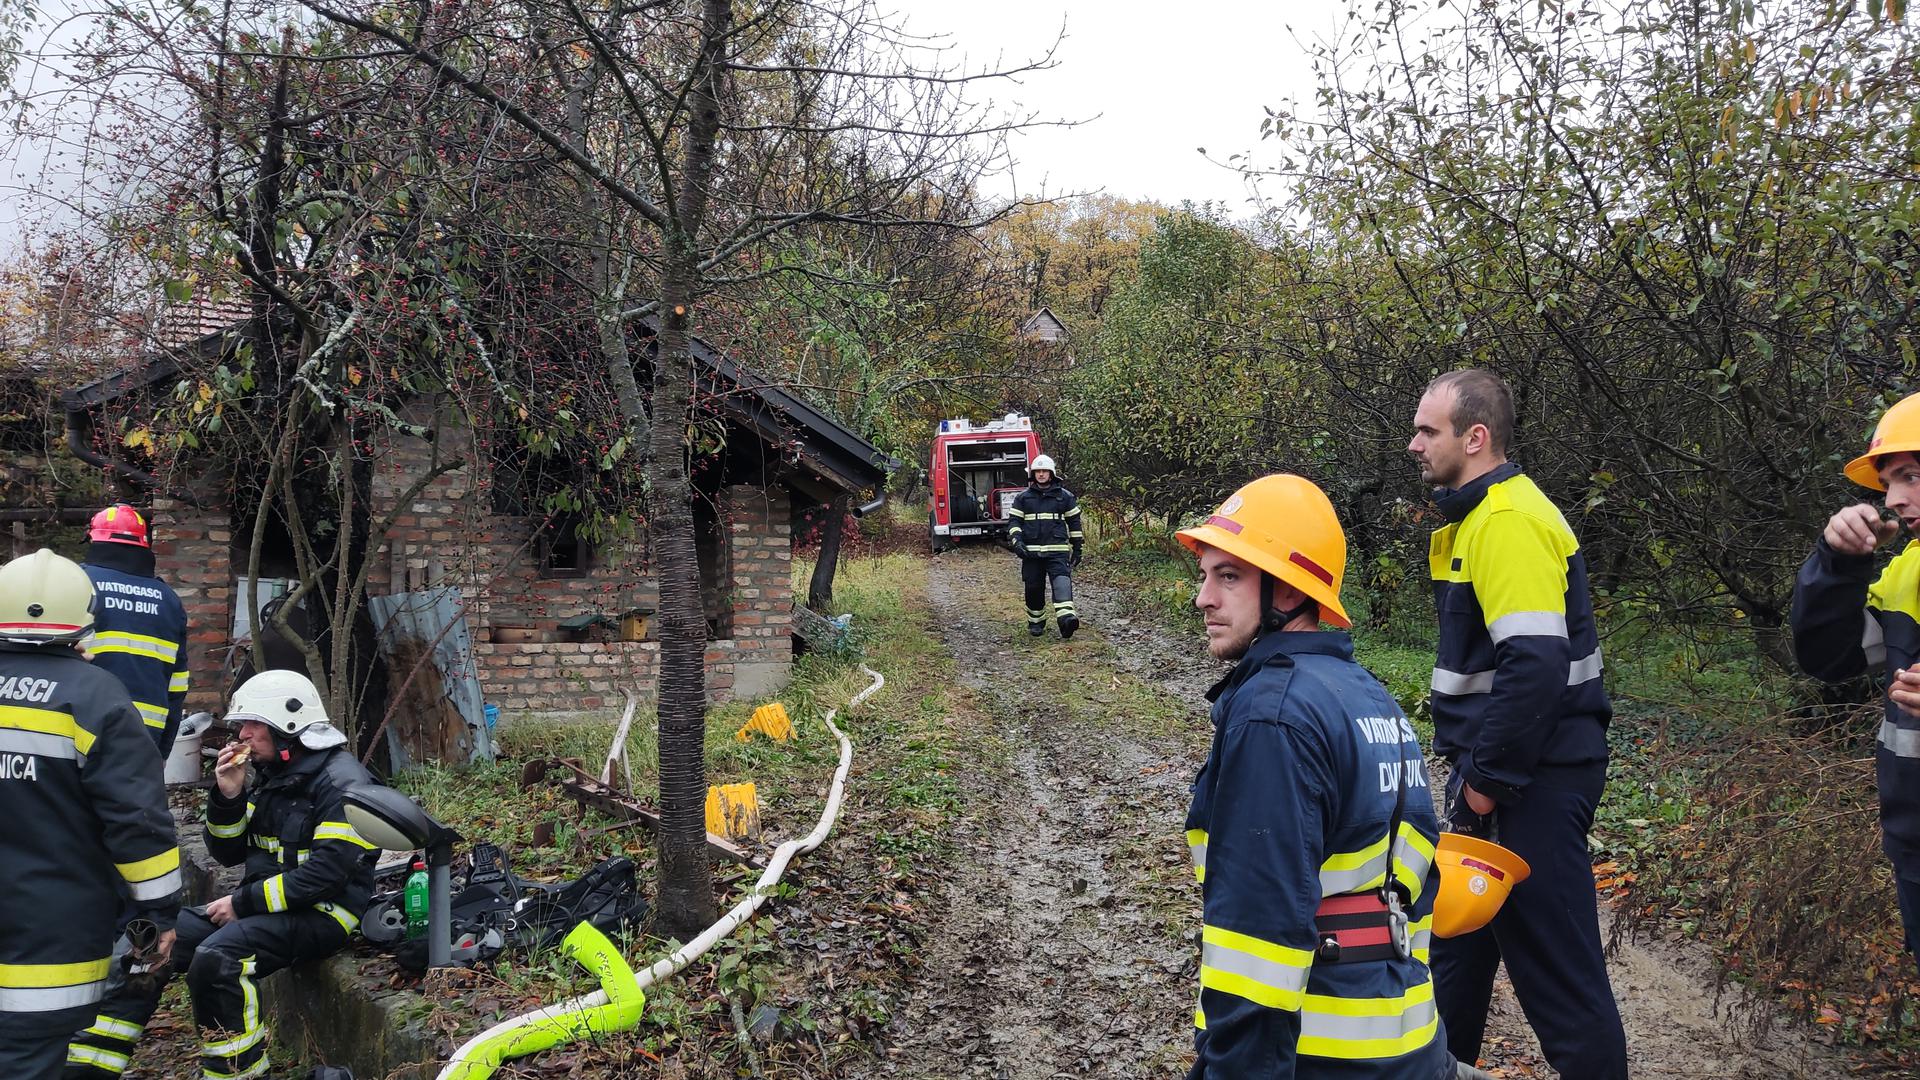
(617, 1005)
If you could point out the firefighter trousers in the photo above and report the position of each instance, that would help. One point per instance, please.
(1035, 572)
(223, 966)
(34, 1046)
(1548, 933)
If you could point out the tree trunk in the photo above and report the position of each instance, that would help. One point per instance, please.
(686, 904)
(820, 586)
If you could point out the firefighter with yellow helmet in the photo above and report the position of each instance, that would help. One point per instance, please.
(1848, 622)
(87, 817)
(1312, 826)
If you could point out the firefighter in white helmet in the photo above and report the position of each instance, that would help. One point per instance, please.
(1044, 530)
(81, 794)
(307, 881)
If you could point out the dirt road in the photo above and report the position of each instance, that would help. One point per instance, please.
(1066, 942)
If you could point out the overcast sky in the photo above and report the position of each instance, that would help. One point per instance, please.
(1161, 78)
(1153, 82)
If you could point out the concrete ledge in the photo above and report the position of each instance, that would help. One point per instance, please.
(340, 1016)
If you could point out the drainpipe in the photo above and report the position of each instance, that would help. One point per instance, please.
(77, 443)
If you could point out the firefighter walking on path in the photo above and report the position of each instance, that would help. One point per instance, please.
(1312, 827)
(86, 812)
(307, 882)
(1844, 627)
(1521, 714)
(1044, 530)
(140, 626)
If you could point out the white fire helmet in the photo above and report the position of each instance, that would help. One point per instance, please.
(287, 702)
(1042, 462)
(45, 599)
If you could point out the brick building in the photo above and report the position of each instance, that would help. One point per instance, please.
(523, 579)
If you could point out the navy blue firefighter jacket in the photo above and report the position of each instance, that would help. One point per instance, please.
(1844, 627)
(1310, 756)
(140, 635)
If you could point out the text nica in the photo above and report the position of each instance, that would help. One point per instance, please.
(19, 767)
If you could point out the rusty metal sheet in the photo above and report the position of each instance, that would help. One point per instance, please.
(439, 715)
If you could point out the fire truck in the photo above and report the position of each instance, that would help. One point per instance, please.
(977, 470)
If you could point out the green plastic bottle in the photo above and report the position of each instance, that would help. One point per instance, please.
(414, 899)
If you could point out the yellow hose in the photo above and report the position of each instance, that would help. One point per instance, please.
(615, 1007)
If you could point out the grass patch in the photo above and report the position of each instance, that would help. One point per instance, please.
(831, 950)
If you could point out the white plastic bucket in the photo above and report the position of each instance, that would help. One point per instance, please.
(184, 764)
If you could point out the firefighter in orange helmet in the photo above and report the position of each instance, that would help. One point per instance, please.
(1848, 622)
(1312, 826)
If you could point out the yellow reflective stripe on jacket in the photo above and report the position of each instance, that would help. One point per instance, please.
(1042, 516)
(114, 1028)
(266, 843)
(1421, 933)
(178, 685)
(153, 878)
(28, 988)
(154, 716)
(154, 648)
(339, 830)
(274, 892)
(47, 722)
(238, 828)
(1049, 547)
(1412, 860)
(1358, 871)
(1357, 1028)
(1274, 976)
(1197, 847)
(37, 743)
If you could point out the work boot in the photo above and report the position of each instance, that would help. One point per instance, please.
(1036, 628)
(1068, 624)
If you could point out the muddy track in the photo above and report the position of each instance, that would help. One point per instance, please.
(1057, 953)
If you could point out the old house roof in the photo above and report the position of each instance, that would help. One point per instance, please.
(834, 455)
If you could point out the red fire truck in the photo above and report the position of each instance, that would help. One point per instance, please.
(977, 470)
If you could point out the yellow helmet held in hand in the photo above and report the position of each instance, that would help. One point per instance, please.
(45, 599)
(1475, 877)
(1897, 432)
(1286, 526)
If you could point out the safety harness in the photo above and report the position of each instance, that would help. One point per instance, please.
(1363, 927)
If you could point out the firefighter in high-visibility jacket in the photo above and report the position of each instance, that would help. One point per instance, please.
(1848, 622)
(1312, 827)
(1043, 528)
(308, 877)
(1521, 713)
(140, 626)
(86, 814)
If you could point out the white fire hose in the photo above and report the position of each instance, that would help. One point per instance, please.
(616, 1006)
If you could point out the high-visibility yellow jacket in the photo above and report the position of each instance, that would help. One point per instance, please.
(86, 821)
(1310, 757)
(1843, 627)
(1517, 693)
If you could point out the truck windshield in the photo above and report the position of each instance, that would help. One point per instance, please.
(983, 477)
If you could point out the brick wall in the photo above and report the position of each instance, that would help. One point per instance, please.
(447, 535)
(194, 552)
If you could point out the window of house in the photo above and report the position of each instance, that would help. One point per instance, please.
(564, 551)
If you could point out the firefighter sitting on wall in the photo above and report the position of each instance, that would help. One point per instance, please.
(1312, 825)
(1044, 528)
(140, 626)
(308, 878)
(87, 817)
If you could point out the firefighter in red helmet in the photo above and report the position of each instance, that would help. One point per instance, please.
(140, 626)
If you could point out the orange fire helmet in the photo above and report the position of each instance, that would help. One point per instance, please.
(1897, 432)
(1285, 526)
(1475, 877)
